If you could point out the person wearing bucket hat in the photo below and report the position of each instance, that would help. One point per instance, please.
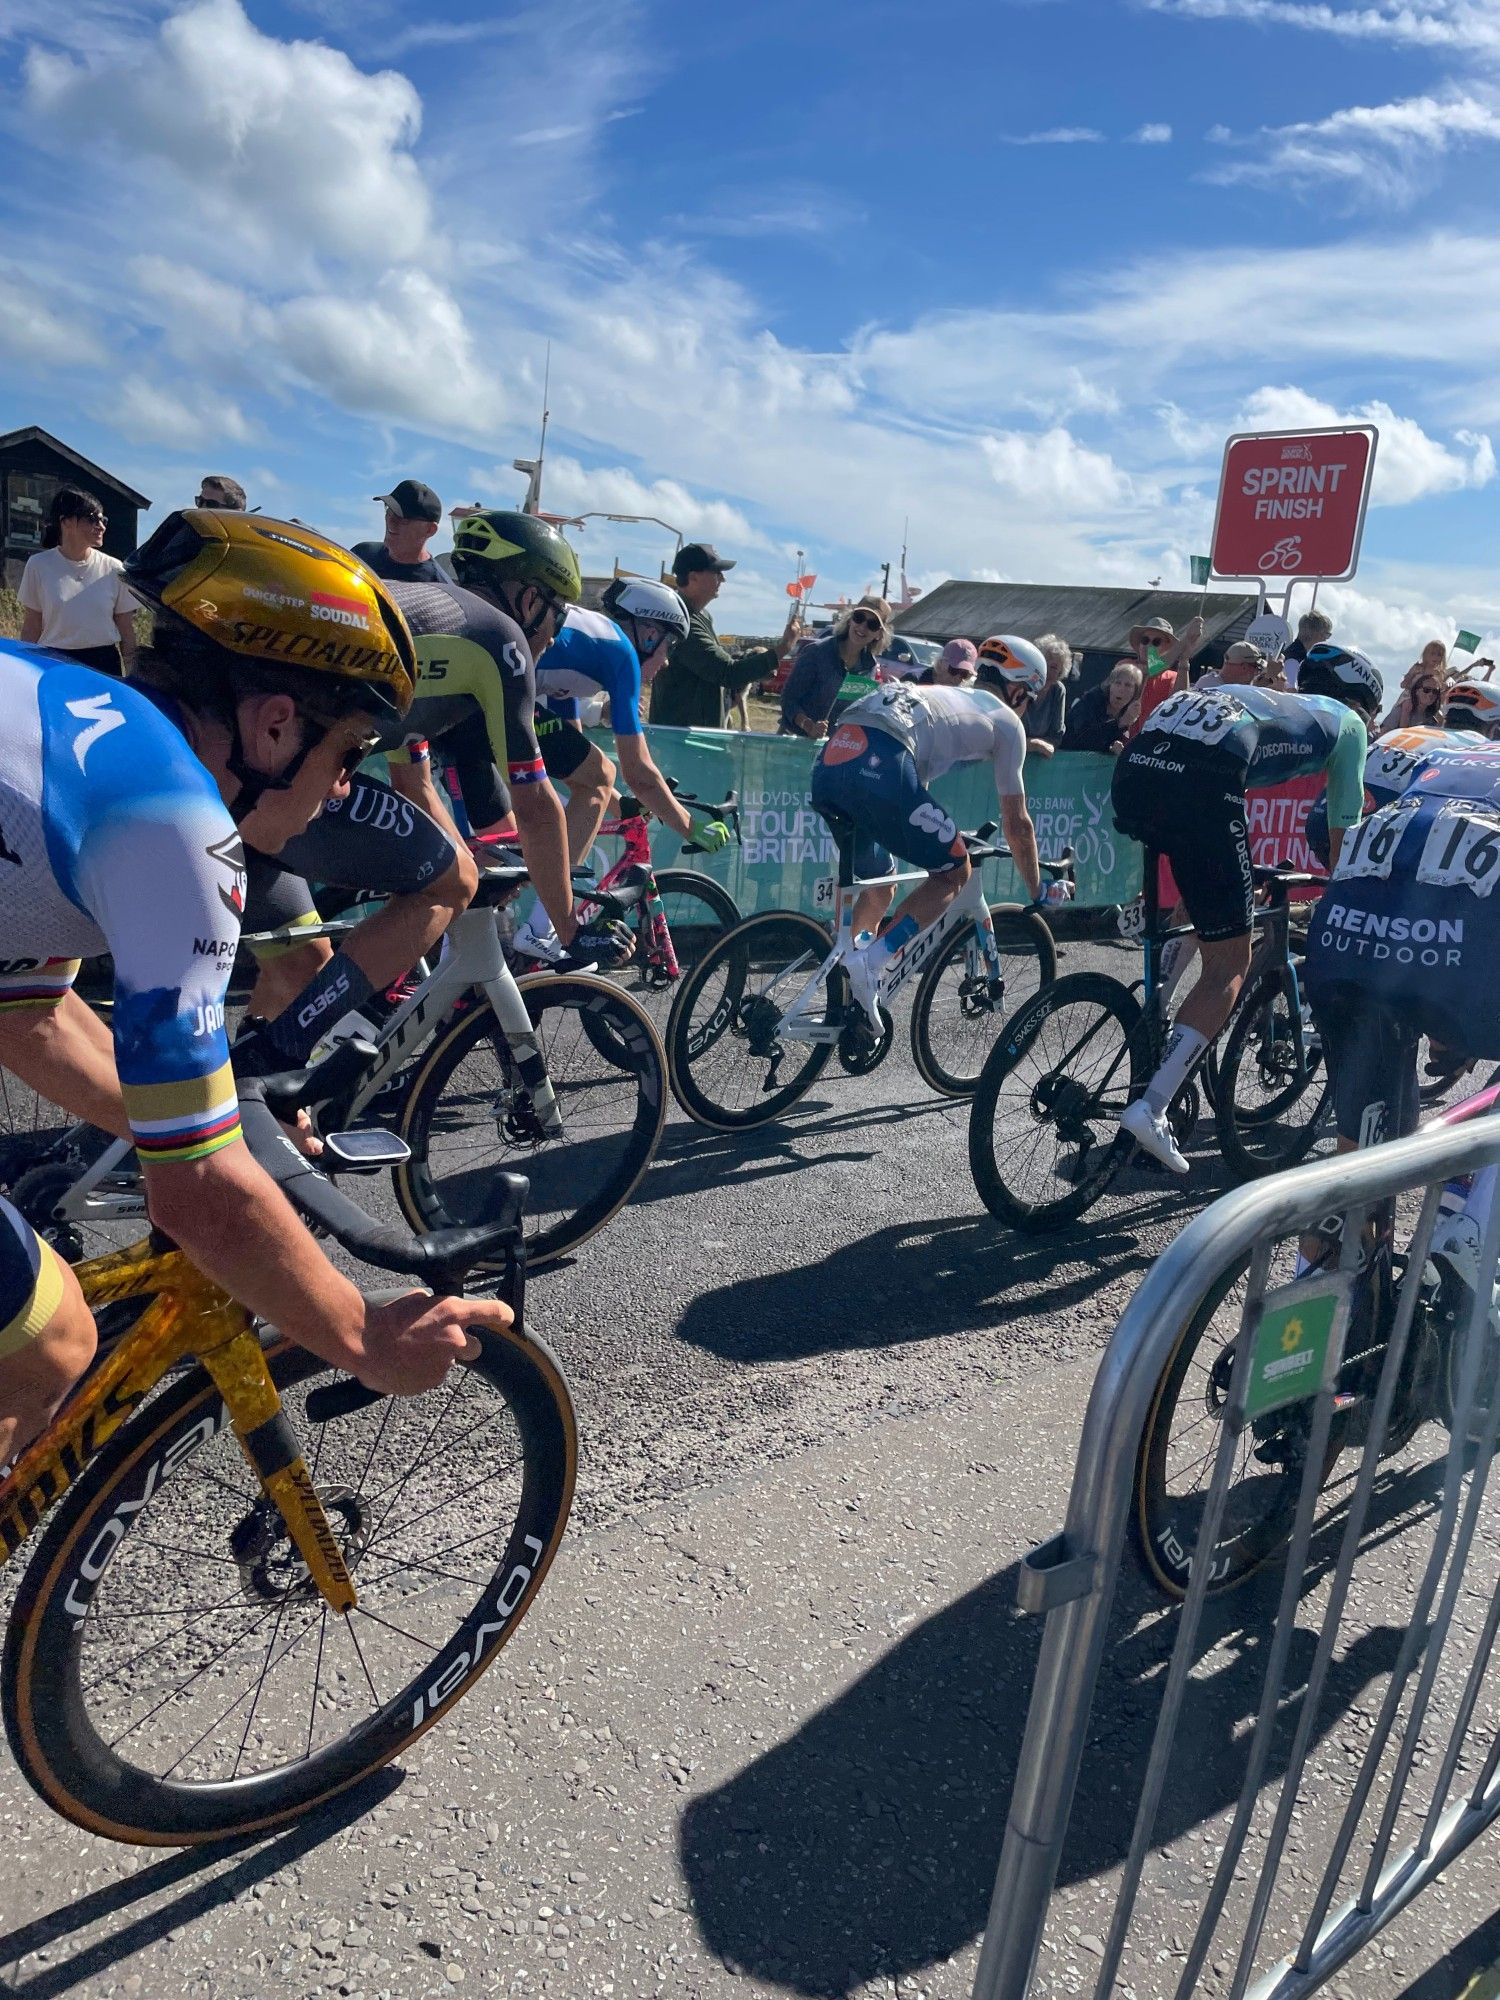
(1159, 653)
(690, 690)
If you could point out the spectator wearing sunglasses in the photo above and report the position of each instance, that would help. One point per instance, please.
(835, 670)
(690, 690)
(218, 491)
(957, 666)
(1424, 690)
(413, 515)
(73, 596)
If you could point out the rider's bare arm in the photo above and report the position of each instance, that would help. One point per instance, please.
(67, 1055)
(544, 844)
(1020, 838)
(235, 1225)
(650, 787)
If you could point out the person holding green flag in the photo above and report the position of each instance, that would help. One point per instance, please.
(1159, 653)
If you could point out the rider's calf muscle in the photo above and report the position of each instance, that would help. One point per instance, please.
(67, 1055)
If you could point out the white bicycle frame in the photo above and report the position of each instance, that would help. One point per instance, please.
(111, 1187)
(800, 1024)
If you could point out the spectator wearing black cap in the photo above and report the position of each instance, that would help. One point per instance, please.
(219, 491)
(689, 692)
(413, 513)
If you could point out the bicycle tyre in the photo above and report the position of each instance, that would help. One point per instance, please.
(1011, 1095)
(1023, 940)
(50, 1683)
(577, 1182)
(698, 911)
(1256, 1140)
(779, 940)
(1156, 1526)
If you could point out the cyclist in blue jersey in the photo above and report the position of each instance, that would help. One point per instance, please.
(276, 657)
(1179, 788)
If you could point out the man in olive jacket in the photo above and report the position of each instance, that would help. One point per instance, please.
(691, 689)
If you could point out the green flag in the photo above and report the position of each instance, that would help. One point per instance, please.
(1202, 568)
(1467, 642)
(1155, 664)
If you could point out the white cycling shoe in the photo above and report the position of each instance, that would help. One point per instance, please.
(864, 983)
(1152, 1134)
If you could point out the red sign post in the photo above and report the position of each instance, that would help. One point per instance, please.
(1292, 503)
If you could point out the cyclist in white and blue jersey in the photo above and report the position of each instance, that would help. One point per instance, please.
(1179, 788)
(617, 653)
(122, 810)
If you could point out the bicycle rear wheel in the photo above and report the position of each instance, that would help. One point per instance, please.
(698, 911)
(1044, 1126)
(1272, 1098)
(470, 1110)
(729, 1063)
(955, 1016)
(171, 1676)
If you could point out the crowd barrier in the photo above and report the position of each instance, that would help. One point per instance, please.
(787, 848)
(1259, 1859)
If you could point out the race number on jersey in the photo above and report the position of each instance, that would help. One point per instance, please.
(1462, 849)
(1203, 718)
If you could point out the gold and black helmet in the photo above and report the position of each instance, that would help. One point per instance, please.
(275, 598)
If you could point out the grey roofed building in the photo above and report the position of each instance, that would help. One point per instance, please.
(1094, 621)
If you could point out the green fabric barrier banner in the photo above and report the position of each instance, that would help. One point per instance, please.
(787, 848)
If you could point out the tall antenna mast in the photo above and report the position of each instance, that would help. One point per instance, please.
(905, 525)
(532, 467)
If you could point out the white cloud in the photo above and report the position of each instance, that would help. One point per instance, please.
(1382, 153)
(1051, 470)
(1409, 465)
(1465, 25)
(573, 488)
(402, 351)
(1056, 135)
(36, 333)
(147, 413)
(280, 141)
(1153, 135)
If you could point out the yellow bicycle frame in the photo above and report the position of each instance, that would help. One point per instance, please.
(189, 1318)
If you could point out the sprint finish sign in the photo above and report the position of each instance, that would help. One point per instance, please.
(1292, 503)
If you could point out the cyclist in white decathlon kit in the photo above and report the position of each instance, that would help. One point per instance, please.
(875, 770)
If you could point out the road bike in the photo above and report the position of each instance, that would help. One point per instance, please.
(1044, 1128)
(771, 995)
(257, 1581)
(561, 1073)
(1194, 1397)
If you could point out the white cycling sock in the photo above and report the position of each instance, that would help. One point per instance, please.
(884, 949)
(1184, 1046)
(1177, 955)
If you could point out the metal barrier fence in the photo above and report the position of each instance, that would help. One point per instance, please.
(1410, 1633)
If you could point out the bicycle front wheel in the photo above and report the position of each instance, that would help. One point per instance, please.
(958, 1012)
(1272, 1097)
(470, 1110)
(171, 1675)
(730, 1061)
(1044, 1126)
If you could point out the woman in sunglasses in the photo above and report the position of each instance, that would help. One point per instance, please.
(1423, 692)
(73, 596)
(835, 670)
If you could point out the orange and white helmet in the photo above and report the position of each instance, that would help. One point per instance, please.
(1006, 661)
(1474, 705)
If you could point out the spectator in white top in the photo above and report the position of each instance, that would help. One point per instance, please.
(1244, 664)
(73, 596)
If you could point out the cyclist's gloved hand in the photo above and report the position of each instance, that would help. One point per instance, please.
(605, 944)
(712, 835)
(1052, 895)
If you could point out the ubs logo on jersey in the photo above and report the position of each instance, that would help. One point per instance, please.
(230, 855)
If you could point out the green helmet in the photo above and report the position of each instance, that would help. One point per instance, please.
(500, 547)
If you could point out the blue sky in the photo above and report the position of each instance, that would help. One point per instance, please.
(1010, 270)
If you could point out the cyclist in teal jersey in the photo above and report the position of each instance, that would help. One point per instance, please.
(1179, 788)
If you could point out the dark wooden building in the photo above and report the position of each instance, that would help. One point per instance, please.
(33, 464)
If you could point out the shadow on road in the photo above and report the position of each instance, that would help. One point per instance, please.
(190, 1873)
(866, 1844)
(914, 1280)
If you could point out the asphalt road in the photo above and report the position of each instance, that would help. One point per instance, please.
(758, 1733)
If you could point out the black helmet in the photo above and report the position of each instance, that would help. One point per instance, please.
(1343, 674)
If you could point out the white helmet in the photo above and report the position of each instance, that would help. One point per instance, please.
(1007, 660)
(1474, 705)
(636, 597)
